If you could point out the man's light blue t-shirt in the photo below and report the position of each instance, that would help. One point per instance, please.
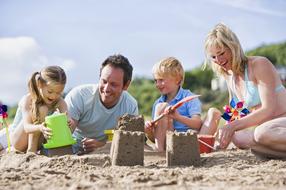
(93, 117)
(188, 109)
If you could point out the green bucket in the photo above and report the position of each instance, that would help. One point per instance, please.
(61, 134)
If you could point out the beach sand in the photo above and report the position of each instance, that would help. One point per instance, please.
(230, 169)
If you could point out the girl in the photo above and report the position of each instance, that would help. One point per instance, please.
(44, 98)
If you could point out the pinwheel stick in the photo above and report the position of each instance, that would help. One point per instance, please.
(7, 134)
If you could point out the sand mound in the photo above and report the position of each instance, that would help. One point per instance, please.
(231, 169)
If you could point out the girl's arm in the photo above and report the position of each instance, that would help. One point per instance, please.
(29, 127)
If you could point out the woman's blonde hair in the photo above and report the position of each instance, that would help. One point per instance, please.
(52, 75)
(169, 67)
(222, 37)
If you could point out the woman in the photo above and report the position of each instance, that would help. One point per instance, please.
(255, 81)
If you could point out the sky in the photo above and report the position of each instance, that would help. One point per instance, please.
(79, 35)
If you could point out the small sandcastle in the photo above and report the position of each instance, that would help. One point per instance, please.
(127, 148)
(182, 148)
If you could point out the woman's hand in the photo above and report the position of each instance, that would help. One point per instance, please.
(47, 132)
(225, 136)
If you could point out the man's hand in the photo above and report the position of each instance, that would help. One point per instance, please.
(90, 145)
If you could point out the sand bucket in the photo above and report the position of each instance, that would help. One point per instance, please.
(205, 143)
(109, 134)
(61, 134)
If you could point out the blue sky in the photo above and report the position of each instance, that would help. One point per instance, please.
(79, 34)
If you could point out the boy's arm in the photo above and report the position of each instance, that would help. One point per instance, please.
(195, 122)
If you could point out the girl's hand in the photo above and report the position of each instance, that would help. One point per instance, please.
(225, 136)
(71, 124)
(47, 132)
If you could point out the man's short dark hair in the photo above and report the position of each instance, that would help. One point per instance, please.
(119, 61)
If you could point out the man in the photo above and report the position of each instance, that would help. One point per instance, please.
(94, 108)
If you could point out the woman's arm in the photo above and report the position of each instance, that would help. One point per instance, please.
(265, 76)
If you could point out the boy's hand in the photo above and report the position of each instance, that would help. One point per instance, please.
(173, 114)
(148, 127)
(47, 132)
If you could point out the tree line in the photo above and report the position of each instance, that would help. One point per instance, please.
(197, 80)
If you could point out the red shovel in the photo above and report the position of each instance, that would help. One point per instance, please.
(186, 99)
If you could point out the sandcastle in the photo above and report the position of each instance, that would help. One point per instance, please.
(182, 148)
(129, 122)
(127, 148)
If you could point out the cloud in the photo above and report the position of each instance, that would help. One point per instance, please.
(257, 6)
(19, 58)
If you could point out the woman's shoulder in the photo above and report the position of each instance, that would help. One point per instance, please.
(261, 66)
(258, 61)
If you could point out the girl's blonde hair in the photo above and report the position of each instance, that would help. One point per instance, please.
(169, 67)
(52, 75)
(222, 37)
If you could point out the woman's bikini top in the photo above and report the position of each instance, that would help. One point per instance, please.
(251, 94)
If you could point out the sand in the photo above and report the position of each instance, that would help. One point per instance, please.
(231, 169)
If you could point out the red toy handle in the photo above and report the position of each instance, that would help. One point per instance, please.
(180, 103)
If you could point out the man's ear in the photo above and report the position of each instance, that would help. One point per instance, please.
(125, 87)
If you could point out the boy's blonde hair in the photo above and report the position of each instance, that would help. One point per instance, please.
(222, 37)
(53, 75)
(169, 67)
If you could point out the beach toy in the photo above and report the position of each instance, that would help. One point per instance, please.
(109, 134)
(3, 116)
(174, 107)
(61, 134)
(206, 143)
(234, 111)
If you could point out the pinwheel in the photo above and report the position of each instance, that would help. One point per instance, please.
(234, 111)
(3, 116)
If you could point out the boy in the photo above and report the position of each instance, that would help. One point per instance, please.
(169, 77)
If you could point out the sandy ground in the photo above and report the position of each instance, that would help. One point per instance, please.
(231, 169)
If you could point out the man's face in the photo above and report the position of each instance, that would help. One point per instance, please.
(111, 85)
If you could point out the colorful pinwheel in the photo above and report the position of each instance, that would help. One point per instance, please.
(234, 111)
(3, 116)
